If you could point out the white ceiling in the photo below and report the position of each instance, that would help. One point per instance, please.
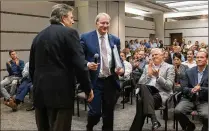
(169, 8)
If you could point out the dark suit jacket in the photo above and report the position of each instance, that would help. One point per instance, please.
(181, 74)
(55, 56)
(19, 69)
(90, 44)
(191, 80)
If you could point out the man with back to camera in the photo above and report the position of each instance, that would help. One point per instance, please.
(104, 74)
(54, 58)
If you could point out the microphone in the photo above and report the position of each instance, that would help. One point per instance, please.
(96, 56)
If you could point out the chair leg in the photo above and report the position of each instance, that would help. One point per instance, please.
(131, 97)
(174, 121)
(74, 107)
(123, 98)
(176, 125)
(78, 114)
(165, 115)
(161, 112)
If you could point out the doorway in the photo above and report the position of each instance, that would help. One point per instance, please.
(151, 37)
(177, 36)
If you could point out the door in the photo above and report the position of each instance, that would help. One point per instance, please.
(177, 36)
(151, 37)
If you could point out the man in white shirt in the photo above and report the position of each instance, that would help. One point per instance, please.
(126, 77)
(104, 74)
(190, 59)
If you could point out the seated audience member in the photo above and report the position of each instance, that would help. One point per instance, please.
(189, 45)
(160, 45)
(127, 44)
(195, 49)
(132, 45)
(24, 87)
(167, 57)
(147, 44)
(175, 42)
(127, 50)
(136, 43)
(153, 44)
(203, 45)
(177, 49)
(155, 87)
(195, 94)
(128, 70)
(190, 59)
(140, 62)
(203, 49)
(180, 70)
(14, 68)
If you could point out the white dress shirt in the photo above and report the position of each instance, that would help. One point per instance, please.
(190, 65)
(109, 52)
(128, 69)
(25, 72)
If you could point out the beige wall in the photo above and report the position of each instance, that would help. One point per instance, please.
(20, 23)
(194, 30)
(87, 12)
(138, 29)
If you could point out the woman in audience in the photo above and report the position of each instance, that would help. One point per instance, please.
(126, 49)
(184, 51)
(190, 59)
(180, 70)
(167, 57)
(128, 70)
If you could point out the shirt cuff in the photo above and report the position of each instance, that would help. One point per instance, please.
(88, 63)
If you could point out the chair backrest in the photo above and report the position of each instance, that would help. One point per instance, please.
(135, 76)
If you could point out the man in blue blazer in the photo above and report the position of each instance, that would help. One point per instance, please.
(104, 74)
(195, 94)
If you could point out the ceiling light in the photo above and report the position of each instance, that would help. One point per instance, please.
(185, 3)
(135, 11)
(181, 14)
(193, 8)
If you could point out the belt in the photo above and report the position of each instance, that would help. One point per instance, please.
(104, 77)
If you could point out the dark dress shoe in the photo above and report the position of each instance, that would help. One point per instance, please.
(155, 125)
(190, 127)
(31, 109)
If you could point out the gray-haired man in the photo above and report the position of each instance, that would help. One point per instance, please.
(55, 56)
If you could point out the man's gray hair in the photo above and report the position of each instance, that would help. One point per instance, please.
(100, 15)
(157, 50)
(58, 11)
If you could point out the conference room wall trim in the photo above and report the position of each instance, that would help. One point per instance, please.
(138, 28)
(186, 28)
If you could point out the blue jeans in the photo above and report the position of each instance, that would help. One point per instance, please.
(23, 89)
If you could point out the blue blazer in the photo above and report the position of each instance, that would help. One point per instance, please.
(191, 80)
(90, 44)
